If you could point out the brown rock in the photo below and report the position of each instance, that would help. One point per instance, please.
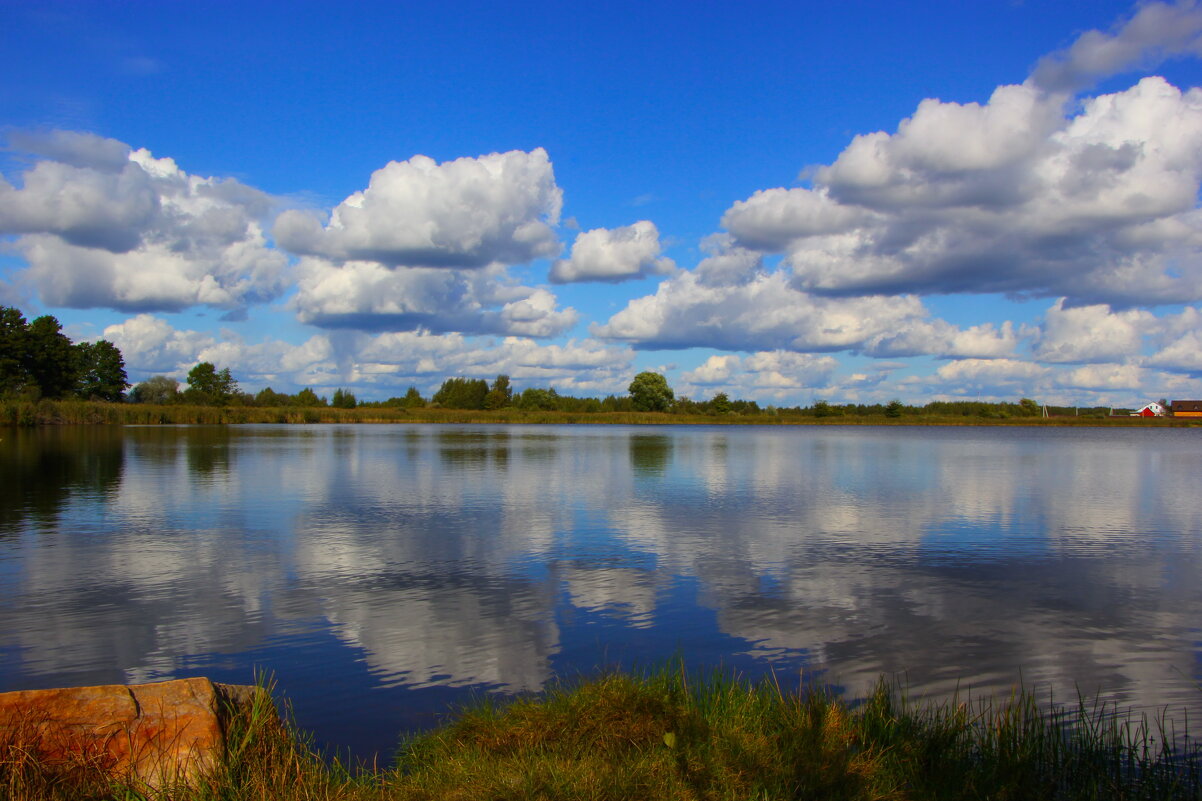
(158, 734)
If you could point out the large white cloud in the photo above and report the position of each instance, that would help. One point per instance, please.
(101, 225)
(768, 313)
(368, 296)
(1090, 334)
(471, 212)
(1010, 196)
(613, 254)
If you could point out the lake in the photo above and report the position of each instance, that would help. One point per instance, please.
(383, 574)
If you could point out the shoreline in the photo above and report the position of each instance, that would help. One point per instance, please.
(672, 735)
(47, 413)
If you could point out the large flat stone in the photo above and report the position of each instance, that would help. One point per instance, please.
(158, 734)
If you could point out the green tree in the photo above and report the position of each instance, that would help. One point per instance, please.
(100, 371)
(157, 389)
(501, 394)
(720, 404)
(307, 398)
(343, 399)
(14, 347)
(210, 386)
(539, 399)
(650, 392)
(1028, 407)
(824, 409)
(413, 399)
(461, 393)
(894, 409)
(269, 398)
(51, 360)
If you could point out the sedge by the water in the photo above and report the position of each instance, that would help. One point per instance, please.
(384, 574)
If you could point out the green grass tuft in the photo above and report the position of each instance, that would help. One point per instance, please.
(666, 736)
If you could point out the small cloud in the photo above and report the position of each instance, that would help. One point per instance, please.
(613, 254)
(140, 65)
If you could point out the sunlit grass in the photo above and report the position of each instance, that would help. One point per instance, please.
(666, 736)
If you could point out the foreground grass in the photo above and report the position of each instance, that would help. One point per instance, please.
(660, 737)
(46, 412)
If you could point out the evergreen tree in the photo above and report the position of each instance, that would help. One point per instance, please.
(343, 399)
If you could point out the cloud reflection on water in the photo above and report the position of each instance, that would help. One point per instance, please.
(456, 557)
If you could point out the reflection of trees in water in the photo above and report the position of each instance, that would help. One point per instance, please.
(44, 467)
(206, 449)
(650, 454)
(472, 450)
(209, 451)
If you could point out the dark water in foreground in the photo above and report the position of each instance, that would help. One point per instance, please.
(382, 573)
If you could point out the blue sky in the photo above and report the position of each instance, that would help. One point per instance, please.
(783, 201)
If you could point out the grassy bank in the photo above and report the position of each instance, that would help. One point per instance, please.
(46, 412)
(666, 737)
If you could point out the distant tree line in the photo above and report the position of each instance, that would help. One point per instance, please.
(648, 392)
(208, 386)
(37, 360)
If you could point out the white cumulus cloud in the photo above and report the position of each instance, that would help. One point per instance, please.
(1090, 334)
(368, 296)
(613, 254)
(769, 313)
(102, 225)
(1010, 196)
(498, 208)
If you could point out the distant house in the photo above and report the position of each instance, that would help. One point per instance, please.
(1187, 408)
(1153, 410)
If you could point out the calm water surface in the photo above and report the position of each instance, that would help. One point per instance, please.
(383, 573)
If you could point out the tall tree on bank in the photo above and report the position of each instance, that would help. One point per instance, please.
(209, 386)
(50, 358)
(14, 333)
(101, 371)
(650, 392)
(413, 399)
(501, 394)
(343, 399)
